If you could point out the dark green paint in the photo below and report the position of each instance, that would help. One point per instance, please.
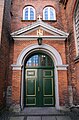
(44, 85)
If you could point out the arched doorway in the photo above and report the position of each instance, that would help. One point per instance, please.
(58, 65)
(39, 81)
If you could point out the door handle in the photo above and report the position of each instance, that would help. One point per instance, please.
(38, 89)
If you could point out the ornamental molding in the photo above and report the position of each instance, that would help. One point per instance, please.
(62, 67)
(25, 33)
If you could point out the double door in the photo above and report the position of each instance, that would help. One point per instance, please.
(39, 87)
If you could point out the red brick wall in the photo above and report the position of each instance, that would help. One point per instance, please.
(71, 50)
(4, 61)
(63, 87)
(4, 50)
(20, 45)
(16, 82)
(18, 6)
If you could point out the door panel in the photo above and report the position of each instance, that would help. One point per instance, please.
(31, 87)
(48, 88)
(31, 75)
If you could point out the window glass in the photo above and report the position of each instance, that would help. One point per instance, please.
(33, 61)
(31, 14)
(51, 14)
(26, 14)
(42, 60)
(46, 14)
(39, 60)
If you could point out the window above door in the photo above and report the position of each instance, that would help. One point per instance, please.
(40, 60)
(29, 13)
(49, 13)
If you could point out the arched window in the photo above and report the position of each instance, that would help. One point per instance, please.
(49, 13)
(76, 20)
(29, 13)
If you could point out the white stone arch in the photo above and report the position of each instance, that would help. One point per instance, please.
(58, 64)
(50, 50)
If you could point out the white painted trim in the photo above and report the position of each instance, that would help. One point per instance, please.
(21, 37)
(56, 89)
(42, 24)
(22, 89)
(62, 67)
(16, 67)
(44, 47)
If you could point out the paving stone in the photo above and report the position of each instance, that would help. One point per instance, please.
(63, 118)
(17, 118)
(77, 118)
(49, 118)
(40, 111)
(33, 118)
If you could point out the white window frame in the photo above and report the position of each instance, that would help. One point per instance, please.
(29, 7)
(49, 8)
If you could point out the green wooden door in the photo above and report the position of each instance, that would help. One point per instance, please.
(39, 87)
(39, 84)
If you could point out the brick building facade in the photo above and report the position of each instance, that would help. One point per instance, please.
(31, 71)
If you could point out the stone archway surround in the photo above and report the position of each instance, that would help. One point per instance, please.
(59, 66)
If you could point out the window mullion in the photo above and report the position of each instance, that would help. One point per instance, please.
(29, 13)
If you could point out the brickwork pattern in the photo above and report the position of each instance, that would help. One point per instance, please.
(63, 87)
(10, 50)
(4, 49)
(71, 50)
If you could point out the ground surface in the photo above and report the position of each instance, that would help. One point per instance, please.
(39, 114)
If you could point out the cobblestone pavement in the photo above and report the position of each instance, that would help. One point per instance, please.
(30, 114)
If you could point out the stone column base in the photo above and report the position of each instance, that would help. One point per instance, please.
(15, 108)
